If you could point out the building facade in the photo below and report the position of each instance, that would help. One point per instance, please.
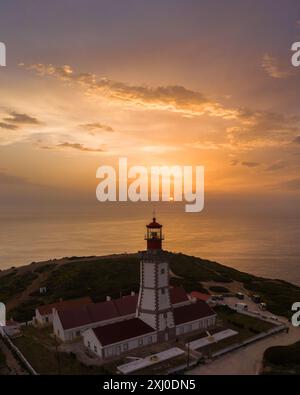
(157, 319)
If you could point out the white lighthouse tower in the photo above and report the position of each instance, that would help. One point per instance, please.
(154, 303)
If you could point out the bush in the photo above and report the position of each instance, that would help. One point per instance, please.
(283, 355)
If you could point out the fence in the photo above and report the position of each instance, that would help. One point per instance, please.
(18, 353)
(235, 346)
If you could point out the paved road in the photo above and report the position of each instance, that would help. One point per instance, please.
(248, 360)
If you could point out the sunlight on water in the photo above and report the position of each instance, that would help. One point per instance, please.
(262, 245)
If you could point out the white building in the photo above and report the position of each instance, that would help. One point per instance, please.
(114, 339)
(69, 324)
(157, 319)
(44, 314)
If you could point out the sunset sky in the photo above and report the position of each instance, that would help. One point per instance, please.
(161, 82)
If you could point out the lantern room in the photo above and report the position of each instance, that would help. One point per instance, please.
(154, 235)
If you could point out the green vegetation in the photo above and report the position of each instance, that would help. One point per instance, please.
(25, 311)
(120, 274)
(219, 289)
(279, 295)
(282, 359)
(239, 321)
(245, 325)
(40, 350)
(45, 268)
(13, 284)
(96, 278)
(189, 268)
(188, 285)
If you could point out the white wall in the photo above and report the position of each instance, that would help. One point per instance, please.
(46, 319)
(203, 323)
(93, 345)
(74, 333)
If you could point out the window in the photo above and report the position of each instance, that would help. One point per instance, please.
(47, 319)
(77, 333)
(150, 339)
(163, 291)
(118, 350)
(95, 349)
(89, 344)
(162, 271)
(141, 342)
(165, 315)
(125, 346)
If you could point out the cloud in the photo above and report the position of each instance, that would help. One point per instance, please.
(277, 166)
(271, 66)
(160, 149)
(21, 119)
(262, 129)
(291, 184)
(8, 126)
(234, 162)
(8, 179)
(297, 140)
(77, 146)
(248, 129)
(95, 127)
(172, 98)
(13, 121)
(206, 145)
(250, 164)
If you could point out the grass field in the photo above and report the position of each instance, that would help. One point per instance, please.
(246, 327)
(117, 275)
(40, 350)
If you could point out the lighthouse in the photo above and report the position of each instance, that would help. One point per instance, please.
(154, 303)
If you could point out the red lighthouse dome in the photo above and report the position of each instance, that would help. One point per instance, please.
(154, 235)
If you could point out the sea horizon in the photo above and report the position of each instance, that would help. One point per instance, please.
(262, 245)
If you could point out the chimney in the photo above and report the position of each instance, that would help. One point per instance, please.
(108, 298)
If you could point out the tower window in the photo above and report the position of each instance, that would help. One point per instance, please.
(163, 291)
(162, 271)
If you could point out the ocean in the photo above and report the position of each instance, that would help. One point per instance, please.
(264, 242)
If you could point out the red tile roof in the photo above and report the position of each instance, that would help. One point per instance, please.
(200, 296)
(178, 295)
(126, 305)
(64, 305)
(120, 331)
(88, 314)
(97, 312)
(192, 312)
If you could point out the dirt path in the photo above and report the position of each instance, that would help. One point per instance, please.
(25, 295)
(247, 360)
